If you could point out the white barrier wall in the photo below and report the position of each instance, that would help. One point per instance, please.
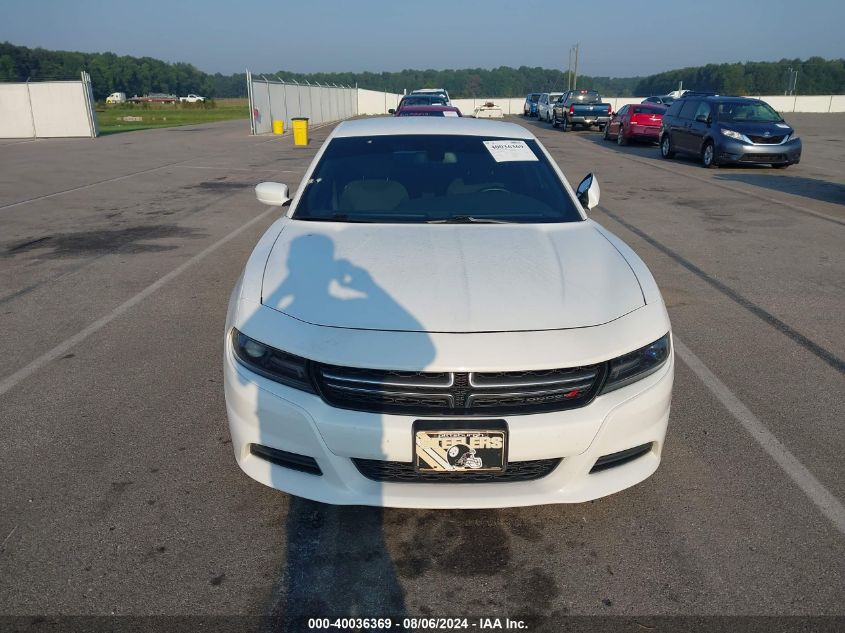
(278, 100)
(281, 101)
(47, 109)
(375, 102)
(514, 105)
(807, 103)
(15, 112)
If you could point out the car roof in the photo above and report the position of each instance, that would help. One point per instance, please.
(720, 98)
(425, 95)
(458, 126)
(428, 90)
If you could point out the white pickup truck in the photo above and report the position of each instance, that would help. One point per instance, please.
(192, 99)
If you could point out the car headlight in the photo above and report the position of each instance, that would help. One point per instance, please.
(271, 363)
(638, 364)
(792, 137)
(733, 134)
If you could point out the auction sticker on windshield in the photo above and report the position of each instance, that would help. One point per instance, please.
(451, 449)
(506, 151)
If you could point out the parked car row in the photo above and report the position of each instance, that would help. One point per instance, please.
(717, 129)
(568, 109)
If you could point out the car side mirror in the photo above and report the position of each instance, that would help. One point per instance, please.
(588, 191)
(391, 111)
(274, 194)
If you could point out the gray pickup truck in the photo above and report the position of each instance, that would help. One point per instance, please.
(580, 107)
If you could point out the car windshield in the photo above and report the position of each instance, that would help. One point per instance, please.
(423, 100)
(533, 98)
(752, 112)
(435, 178)
(587, 97)
(644, 109)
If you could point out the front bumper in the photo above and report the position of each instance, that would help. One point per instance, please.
(732, 151)
(264, 412)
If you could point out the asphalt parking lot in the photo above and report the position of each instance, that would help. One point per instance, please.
(120, 493)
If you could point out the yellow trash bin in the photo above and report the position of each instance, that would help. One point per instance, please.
(300, 130)
(278, 127)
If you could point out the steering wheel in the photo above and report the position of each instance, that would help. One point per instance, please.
(486, 189)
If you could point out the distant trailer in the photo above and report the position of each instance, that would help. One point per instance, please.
(488, 111)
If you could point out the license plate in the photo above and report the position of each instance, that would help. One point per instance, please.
(460, 446)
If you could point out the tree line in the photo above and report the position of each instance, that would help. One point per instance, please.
(140, 75)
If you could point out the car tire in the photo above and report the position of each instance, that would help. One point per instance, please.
(554, 120)
(666, 150)
(564, 125)
(708, 155)
(606, 135)
(620, 137)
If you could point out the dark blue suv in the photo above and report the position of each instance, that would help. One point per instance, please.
(529, 108)
(726, 130)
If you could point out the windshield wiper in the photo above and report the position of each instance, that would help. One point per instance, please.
(335, 217)
(468, 219)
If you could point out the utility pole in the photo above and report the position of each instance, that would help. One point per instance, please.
(569, 71)
(575, 78)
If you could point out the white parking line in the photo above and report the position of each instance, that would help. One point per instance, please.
(62, 348)
(824, 500)
(249, 169)
(88, 186)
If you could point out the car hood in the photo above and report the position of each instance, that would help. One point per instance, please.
(758, 129)
(448, 278)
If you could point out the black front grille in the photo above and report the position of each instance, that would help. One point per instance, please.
(403, 472)
(456, 393)
(622, 457)
(302, 463)
(767, 140)
(763, 158)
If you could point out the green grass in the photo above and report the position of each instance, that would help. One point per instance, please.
(110, 118)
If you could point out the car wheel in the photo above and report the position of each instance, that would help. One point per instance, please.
(620, 136)
(666, 147)
(554, 120)
(564, 125)
(606, 136)
(708, 155)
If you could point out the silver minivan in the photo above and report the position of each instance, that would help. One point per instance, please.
(545, 104)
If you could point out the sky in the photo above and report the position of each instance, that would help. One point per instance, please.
(621, 39)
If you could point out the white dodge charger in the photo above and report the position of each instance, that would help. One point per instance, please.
(436, 323)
